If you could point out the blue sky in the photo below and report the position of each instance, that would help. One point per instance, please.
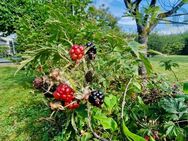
(117, 8)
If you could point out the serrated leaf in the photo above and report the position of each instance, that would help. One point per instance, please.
(106, 122)
(110, 101)
(137, 85)
(86, 137)
(134, 47)
(131, 136)
(119, 49)
(151, 138)
(151, 51)
(169, 130)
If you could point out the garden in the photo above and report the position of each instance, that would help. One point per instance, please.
(80, 77)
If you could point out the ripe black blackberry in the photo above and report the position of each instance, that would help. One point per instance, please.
(96, 98)
(92, 51)
(89, 76)
(38, 82)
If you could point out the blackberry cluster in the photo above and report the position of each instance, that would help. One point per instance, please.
(92, 51)
(96, 98)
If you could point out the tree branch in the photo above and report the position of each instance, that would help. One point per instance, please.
(152, 4)
(127, 3)
(137, 2)
(132, 6)
(173, 22)
(166, 14)
(177, 15)
(172, 11)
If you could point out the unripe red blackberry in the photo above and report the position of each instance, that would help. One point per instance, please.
(147, 138)
(38, 82)
(76, 52)
(64, 92)
(92, 51)
(73, 105)
(96, 98)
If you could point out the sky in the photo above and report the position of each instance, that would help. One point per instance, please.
(118, 9)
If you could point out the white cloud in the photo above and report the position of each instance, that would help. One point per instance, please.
(173, 30)
(127, 21)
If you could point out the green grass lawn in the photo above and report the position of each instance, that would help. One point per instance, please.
(20, 109)
(181, 71)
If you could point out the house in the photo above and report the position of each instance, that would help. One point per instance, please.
(7, 45)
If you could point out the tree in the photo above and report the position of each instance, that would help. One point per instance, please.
(147, 15)
(12, 10)
(102, 14)
(168, 44)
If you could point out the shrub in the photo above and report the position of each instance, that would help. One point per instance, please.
(168, 44)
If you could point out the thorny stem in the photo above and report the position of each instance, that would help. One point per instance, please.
(89, 124)
(124, 95)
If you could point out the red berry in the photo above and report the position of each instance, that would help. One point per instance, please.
(80, 56)
(76, 105)
(81, 48)
(57, 95)
(63, 96)
(73, 105)
(147, 138)
(74, 57)
(64, 92)
(76, 52)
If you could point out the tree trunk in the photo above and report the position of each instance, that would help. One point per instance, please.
(143, 40)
